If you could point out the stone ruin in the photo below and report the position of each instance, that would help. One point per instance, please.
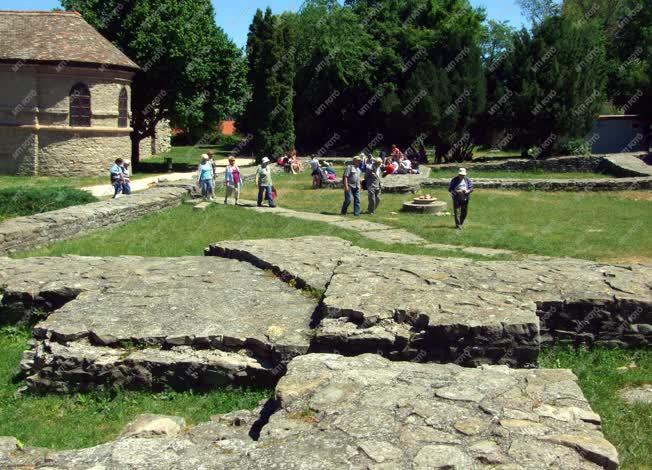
(425, 205)
(379, 360)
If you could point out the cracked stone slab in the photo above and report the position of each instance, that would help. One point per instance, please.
(574, 300)
(367, 412)
(311, 261)
(126, 303)
(392, 236)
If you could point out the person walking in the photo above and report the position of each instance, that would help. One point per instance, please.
(232, 181)
(264, 183)
(351, 182)
(205, 178)
(372, 177)
(460, 189)
(126, 180)
(213, 163)
(116, 177)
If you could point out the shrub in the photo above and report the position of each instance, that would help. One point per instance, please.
(575, 147)
(15, 202)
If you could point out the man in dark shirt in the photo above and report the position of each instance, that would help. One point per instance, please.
(460, 189)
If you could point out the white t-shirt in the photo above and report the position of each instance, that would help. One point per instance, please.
(461, 186)
(314, 164)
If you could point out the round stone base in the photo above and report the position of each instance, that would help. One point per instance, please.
(436, 207)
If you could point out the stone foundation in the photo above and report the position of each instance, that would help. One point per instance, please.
(165, 322)
(620, 184)
(335, 412)
(26, 233)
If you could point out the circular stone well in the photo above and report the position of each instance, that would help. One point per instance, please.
(425, 205)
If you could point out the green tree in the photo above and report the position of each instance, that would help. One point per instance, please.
(429, 69)
(538, 10)
(191, 72)
(556, 77)
(268, 115)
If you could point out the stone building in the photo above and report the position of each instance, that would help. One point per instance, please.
(65, 94)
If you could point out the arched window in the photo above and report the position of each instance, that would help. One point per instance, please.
(123, 109)
(80, 106)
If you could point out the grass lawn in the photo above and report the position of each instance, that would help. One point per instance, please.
(75, 421)
(183, 231)
(7, 181)
(612, 226)
(16, 202)
(520, 175)
(191, 154)
(628, 427)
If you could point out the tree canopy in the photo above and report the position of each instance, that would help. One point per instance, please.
(191, 72)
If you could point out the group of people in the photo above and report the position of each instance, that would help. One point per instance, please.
(120, 178)
(460, 187)
(398, 163)
(290, 162)
(207, 174)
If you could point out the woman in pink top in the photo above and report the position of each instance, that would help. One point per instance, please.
(233, 181)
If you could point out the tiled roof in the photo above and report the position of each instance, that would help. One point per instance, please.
(49, 36)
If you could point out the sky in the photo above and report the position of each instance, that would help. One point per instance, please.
(234, 16)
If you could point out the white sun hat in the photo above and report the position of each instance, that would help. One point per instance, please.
(462, 172)
(265, 160)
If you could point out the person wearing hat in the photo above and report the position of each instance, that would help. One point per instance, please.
(264, 183)
(351, 182)
(205, 178)
(372, 177)
(460, 188)
(232, 181)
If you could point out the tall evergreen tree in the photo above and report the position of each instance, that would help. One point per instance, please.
(556, 78)
(268, 116)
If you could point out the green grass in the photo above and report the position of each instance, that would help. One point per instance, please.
(190, 154)
(628, 427)
(8, 181)
(609, 226)
(15, 202)
(521, 175)
(183, 231)
(84, 420)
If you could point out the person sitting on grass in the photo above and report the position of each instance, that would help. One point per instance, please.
(116, 177)
(316, 173)
(390, 167)
(396, 153)
(232, 181)
(295, 163)
(460, 189)
(205, 178)
(126, 180)
(264, 183)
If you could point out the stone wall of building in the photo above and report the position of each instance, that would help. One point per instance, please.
(90, 153)
(35, 135)
(25, 233)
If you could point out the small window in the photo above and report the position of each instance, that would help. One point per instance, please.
(123, 109)
(80, 106)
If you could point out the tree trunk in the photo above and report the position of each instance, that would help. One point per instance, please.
(135, 150)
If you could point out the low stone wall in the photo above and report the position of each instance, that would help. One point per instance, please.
(619, 184)
(25, 233)
(581, 164)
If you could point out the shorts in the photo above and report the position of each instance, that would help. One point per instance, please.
(316, 173)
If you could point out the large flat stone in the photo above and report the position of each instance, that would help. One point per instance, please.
(453, 309)
(367, 412)
(106, 310)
